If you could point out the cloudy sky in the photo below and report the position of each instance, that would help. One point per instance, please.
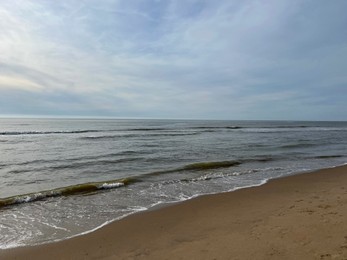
(213, 59)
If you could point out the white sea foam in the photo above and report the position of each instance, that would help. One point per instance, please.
(12, 244)
(111, 185)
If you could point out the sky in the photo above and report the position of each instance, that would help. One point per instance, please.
(196, 59)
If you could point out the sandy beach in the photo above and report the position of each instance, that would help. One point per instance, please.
(297, 217)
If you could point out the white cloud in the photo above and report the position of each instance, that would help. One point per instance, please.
(192, 57)
(19, 83)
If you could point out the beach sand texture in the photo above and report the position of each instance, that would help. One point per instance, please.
(297, 217)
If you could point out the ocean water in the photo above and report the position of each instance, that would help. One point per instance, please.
(64, 177)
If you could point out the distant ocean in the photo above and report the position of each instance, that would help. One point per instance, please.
(60, 178)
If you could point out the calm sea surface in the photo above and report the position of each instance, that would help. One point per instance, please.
(61, 178)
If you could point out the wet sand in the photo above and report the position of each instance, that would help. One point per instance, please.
(297, 217)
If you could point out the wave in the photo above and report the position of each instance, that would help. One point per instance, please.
(91, 187)
(219, 175)
(146, 129)
(260, 159)
(77, 189)
(289, 126)
(276, 129)
(108, 137)
(265, 127)
(48, 132)
(174, 134)
(217, 127)
(178, 130)
(76, 131)
(309, 127)
(92, 163)
(79, 159)
(87, 161)
(210, 165)
(75, 165)
(101, 137)
(298, 145)
(328, 156)
(202, 166)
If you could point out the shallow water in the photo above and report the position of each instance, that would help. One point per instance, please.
(60, 178)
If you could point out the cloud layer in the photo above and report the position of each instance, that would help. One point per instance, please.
(174, 59)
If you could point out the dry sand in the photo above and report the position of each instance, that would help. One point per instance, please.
(298, 217)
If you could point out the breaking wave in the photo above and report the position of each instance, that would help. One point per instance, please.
(65, 191)
(89, 187)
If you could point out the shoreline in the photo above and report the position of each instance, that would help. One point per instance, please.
(248, 223)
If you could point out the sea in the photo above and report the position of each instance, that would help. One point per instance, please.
(61, 178)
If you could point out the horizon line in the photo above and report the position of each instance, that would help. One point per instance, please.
(151, 118)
